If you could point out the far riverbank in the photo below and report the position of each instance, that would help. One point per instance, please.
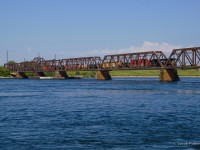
(115, 73)
(151, 76)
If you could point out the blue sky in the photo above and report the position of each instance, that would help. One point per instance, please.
(76, 28)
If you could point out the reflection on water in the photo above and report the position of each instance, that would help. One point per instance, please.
(133, 113)
(194, 92)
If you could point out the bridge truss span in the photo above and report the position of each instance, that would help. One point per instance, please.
(141, 60)
(70, 64)
(80, 64)
(185, 58)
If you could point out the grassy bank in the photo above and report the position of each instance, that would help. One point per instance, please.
(91, 74)
(135, 73)
(84, 74)
(191, 72)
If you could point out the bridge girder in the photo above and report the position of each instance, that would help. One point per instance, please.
(142, 60)
(186, 58)
(70, 64)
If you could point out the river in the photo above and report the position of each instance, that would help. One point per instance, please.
(123, 113)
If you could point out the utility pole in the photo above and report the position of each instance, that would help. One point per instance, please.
(55, 57)
(7, 55)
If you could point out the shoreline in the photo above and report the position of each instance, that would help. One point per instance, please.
(151, 76)
(113, 77)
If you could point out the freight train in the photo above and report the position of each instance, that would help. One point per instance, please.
(143, 63)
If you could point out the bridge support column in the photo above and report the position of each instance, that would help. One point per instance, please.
(169, 75)
(103, 75)
(61, 75)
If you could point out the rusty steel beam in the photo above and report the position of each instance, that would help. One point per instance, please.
(141, 60)
(72, 64)
(84, 63)
(185, 58)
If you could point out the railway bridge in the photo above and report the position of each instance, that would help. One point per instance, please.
(184, 58)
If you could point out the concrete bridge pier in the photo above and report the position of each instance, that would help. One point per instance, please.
(169, 75)
(61, 75)
(103, 75)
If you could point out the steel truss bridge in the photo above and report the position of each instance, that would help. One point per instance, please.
(184, 58)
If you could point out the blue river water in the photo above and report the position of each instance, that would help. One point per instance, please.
(123, 113)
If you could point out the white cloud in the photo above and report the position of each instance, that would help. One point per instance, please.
(146, 46)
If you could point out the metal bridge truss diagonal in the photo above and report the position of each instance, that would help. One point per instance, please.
(186, 58)
(142, 60)
(71, 64)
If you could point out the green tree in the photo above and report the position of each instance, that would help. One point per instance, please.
(4, 72)
(11, 62)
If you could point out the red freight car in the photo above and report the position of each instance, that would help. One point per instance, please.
(140, 62)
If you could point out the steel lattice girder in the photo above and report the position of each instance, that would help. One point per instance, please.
(186, 58)
(71, 64)
(142, 60)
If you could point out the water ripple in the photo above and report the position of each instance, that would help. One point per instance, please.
(90, 114)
